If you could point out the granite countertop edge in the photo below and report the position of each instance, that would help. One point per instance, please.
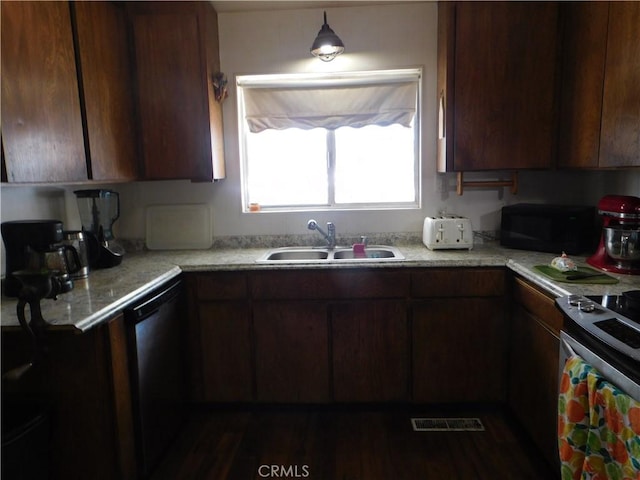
(107, 292)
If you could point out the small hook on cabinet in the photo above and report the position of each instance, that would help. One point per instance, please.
(219, 81)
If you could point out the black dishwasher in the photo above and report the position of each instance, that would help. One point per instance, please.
(156, 358)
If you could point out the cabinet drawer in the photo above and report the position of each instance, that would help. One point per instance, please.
(221, 286)
(332, 284)
(539, 304)
(458, 282)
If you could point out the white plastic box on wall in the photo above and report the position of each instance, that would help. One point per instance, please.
(178, 227)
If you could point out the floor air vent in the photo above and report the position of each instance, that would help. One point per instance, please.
(447, 425)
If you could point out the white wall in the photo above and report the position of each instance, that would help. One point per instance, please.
(388, 36)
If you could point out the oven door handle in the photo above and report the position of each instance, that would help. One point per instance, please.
(568, 350)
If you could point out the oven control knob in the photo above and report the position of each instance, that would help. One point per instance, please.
(586, 306)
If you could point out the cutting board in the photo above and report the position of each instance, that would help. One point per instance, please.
(178, 227)
(558, 276)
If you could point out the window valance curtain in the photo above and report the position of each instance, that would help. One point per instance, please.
(356, 100)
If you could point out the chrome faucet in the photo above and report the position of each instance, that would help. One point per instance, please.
(329, 235)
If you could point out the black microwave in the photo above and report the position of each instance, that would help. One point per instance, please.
(549, 228)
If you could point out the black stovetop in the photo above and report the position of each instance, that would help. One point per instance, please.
(618, 304)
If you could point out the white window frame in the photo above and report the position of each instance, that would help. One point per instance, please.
(277, 79)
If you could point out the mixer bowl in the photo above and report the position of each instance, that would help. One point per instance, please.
(623, 245)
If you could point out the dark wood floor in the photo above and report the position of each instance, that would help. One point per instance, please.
(366, 443)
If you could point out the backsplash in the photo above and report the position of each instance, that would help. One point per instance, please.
(276, 241)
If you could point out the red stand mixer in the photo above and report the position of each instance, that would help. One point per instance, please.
(619, 248)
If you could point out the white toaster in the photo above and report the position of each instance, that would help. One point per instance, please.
(447, 232)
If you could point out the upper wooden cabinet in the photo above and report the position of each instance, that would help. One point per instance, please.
(103, 51)
(600, 103)
(67, 110)
(41, 121)
(176, 56)
(496, 85)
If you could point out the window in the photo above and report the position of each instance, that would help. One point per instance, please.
(330, 141)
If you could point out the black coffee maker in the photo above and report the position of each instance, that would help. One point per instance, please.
(34, 245)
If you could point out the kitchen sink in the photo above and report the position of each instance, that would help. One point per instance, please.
(294, 254)
(373, 253)
(369, 254)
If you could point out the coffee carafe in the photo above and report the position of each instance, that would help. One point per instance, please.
(80, 264)
(62, 260)
(99, 209)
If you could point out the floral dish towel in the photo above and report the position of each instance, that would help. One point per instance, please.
(598, 427)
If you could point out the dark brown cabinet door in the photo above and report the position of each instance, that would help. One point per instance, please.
(459, 350)
(291, 351)
(176, 55)
(225, 348)
(497, 65)
(584, 53)
(534, 364)
(533, 383)
(600, 99)
(41, 122)
(370, 351)
(106, 84)
(620, 142)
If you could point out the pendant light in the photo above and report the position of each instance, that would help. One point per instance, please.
(327, 44)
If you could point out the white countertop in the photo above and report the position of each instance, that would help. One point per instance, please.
(108, 291)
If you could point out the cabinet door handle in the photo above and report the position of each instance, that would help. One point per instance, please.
(442, 132)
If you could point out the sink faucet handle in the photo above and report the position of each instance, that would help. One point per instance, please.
(363, 239)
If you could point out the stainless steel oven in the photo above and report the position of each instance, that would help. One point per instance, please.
(622, 378)
(599, 387)
(605, 332)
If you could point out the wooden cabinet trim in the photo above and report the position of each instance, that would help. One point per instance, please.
(122, 398)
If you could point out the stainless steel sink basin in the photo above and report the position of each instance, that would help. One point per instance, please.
(293, 254)
(369, 254)
(373, 253)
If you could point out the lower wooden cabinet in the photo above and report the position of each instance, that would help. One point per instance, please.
(534, 363)
(219, 356)
(459, 350)
(291, 351)
(370, 343)
(225, 345)
(86, 381)
(349, 335)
